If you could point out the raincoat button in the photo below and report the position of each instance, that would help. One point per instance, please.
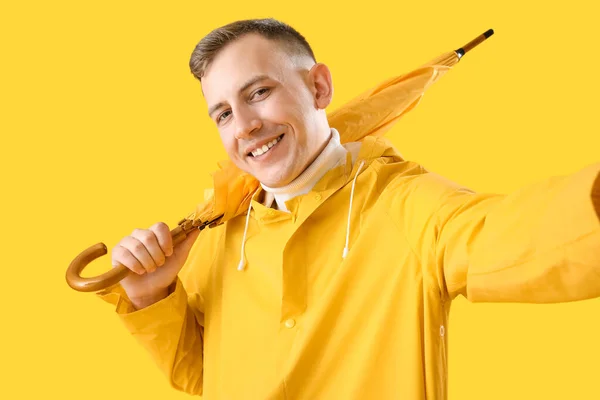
(318, 197)
(290, 323)
(442, 330)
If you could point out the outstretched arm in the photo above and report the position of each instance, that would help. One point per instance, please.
(538, 244)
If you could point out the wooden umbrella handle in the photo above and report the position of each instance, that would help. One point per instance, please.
(115, 275)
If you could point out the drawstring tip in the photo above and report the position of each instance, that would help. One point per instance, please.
(241, 265)
(345, 252)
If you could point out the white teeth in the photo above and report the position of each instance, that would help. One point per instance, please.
(262, 150)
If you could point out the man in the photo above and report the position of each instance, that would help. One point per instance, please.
(337, 284)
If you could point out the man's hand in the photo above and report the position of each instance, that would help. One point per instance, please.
(149, 253)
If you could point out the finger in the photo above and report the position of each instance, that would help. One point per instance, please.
(121, 255)
(139, 251)
(163, 235)
(184, 247)
(149, 239)
(191, 239)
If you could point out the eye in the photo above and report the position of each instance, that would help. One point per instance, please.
(260, 92)
(223, 115)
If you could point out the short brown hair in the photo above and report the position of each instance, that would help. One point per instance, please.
(207, 49)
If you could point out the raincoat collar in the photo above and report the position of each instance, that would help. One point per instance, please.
(367, 150)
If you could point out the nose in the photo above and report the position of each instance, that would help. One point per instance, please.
(247, 123)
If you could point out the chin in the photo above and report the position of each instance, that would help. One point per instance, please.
(275, 181)
(271, 182)
(275, 175)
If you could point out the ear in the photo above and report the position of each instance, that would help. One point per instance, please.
(321, 85)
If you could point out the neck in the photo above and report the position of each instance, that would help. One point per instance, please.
(328, 158)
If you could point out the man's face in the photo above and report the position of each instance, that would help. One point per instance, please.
(268, 108)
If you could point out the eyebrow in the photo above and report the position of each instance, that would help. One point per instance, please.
(245, 86)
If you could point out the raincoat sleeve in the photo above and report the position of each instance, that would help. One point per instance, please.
(169, 331)
(172, 329)
(538, 244)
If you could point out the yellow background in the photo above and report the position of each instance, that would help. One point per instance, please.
(104, 130)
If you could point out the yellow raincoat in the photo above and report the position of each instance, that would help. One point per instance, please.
(301, 322)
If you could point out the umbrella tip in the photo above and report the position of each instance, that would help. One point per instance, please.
(463, 50)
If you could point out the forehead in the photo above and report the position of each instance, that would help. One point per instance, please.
(241, 60)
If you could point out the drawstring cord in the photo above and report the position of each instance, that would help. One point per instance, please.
(242, 263)
(346, 248)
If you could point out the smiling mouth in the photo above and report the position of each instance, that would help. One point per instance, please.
(265, 148)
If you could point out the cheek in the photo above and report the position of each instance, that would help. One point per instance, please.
(302, 111)
(293, 106)
(229, 143)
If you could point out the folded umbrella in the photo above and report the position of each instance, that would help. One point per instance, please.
(372, 113)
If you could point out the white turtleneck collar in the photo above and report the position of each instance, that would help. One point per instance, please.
(332, 155)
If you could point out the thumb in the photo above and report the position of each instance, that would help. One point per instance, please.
(183, 248)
